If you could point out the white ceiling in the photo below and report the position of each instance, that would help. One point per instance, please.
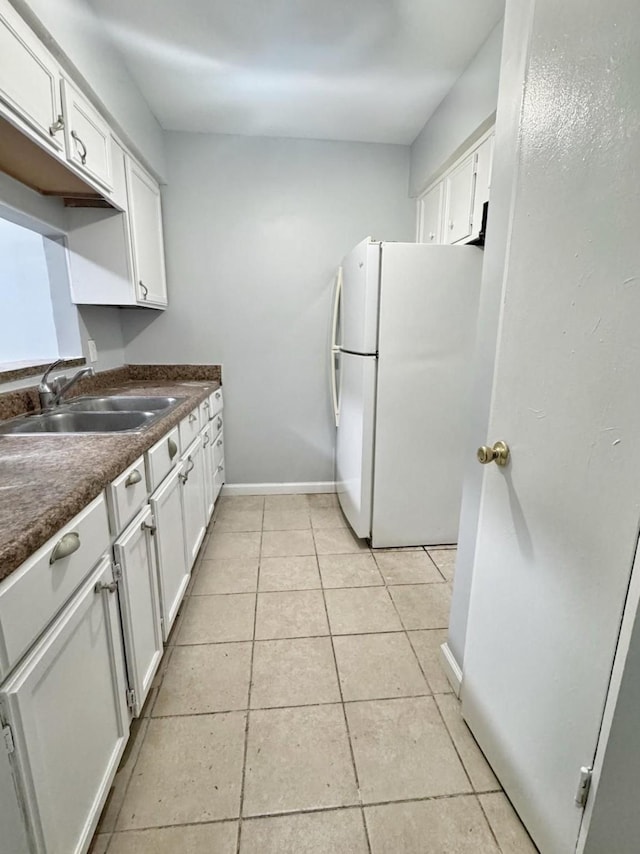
(365, 70)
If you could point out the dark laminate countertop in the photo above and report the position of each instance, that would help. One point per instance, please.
(46, 480)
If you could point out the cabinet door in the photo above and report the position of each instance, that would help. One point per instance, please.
(87, 137)
(67, 712)
(218, 465)
(139, 606)
(207, 450)
(460, 186)
(145, 214)
(431, 215)
(173, 572)
(12, 818)
(484, 160)
(192, 479)
(29, 79)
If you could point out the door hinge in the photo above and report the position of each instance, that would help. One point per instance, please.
(131, 699)
(584, 784)
(8, 739)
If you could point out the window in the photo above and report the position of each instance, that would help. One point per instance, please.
(38, 322)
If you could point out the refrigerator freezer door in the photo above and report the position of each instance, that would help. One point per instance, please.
(428, 311)
(354, 451)
(360, 295)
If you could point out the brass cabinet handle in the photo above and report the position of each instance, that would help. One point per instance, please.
(56, 126)
(83, 153)
(499, 454)
(173, 448)
(134, 477)
(66, 546)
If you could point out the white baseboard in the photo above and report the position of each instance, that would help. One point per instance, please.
(277, 488)
(451, 668)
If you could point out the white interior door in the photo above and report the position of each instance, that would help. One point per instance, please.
(354, 444)
(558, 526)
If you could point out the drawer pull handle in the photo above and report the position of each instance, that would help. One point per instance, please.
(144, 289)
(221, 467)
(133, 478)
(66, 546)
(217, 395)
(219, 443)
(80, 144)
(206, 404)
(185, 477)
(219, 424)
(173, 448)
(192, 417)
(146, 526)
(207, 439)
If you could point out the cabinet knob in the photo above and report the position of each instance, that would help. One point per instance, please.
(451, 225)
(192, 417)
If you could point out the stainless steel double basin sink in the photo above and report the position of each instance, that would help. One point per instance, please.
(116, 414)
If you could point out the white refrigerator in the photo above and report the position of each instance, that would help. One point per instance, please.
(404, 323)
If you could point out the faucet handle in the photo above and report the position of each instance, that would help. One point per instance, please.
(43, 381)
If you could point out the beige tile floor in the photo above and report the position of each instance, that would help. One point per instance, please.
(301, 708)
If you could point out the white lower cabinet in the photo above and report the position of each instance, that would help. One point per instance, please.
(170, 543)
(207, 449)
(218, 465)
(139, 606)
(66, 718)
(192, 479)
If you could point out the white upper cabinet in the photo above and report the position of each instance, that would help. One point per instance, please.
(459, 190)
(484, 162)
(29, 80)
(87, 137)
(431, 215)
(145, 214)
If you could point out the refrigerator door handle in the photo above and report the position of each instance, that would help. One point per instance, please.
(334, 346)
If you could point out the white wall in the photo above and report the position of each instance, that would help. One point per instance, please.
(79, 39)
(463, 114)
(255, 229)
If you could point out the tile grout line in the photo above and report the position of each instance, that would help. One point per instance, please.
(343, 707)
(248, 712)
(311, 811)
(440, 573)
(440, 715)
(486, 818)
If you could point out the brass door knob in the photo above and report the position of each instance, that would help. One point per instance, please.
(499, 454)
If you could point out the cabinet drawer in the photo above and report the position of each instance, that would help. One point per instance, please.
(32, 595)
(218, 451)
(126, 495)
(87, 137)
(162, 458)
(216, 402)
(189, 429)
